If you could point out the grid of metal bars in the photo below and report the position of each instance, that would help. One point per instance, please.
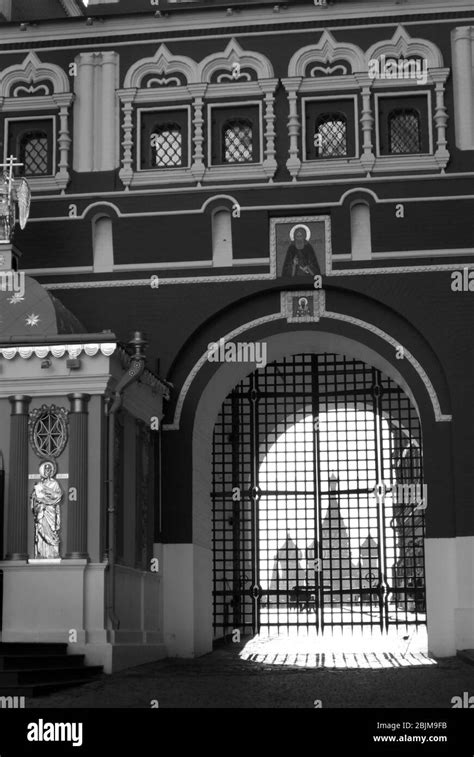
(166, 144)
(331, 136)
(318, 505)
(238, 135)
(34, 150)
(404, 131)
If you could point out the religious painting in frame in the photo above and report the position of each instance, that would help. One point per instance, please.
(300, 247)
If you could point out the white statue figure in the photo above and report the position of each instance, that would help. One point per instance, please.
(12, 191)
(45, 499)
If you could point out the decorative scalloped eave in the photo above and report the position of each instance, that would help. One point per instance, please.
(58, 350)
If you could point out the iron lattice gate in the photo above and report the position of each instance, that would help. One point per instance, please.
(318, 503)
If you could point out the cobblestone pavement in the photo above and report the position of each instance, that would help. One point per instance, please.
(223, 680)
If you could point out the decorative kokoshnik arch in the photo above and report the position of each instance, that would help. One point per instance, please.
(323, 313)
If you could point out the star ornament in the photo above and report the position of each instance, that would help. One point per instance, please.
(32, 320)
(15, 298)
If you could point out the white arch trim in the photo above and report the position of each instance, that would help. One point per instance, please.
(104, 204)
(234, 53)
(162, 62)
(402, 44)
(439, 416)
(325, 51)
(218, 197)
(32, 70)
(358, 190)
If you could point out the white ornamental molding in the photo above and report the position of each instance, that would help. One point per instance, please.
(33, 70)
(327, 50)
(401, 45)
(440, 417)
(163, 62)
(232, 55)
(58, 350)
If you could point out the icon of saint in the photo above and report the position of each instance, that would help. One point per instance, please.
(45, 504)
(300, 259)
(303, 307)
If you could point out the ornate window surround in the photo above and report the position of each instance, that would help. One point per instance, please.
(163, 109)
(402, 45)
(163, 64)
(327, 161)
(244, 170)
(26, 120)
(31, 71)
(404, 161)
(329, 50)
(321, 55)
(197, 88)
(265, 86)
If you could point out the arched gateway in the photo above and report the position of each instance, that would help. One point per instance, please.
(318, 500)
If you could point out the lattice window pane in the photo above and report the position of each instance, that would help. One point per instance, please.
(404, 132)
(167, 146)
(238, 141)
(331, 136)
(34, 153)
(49, 433)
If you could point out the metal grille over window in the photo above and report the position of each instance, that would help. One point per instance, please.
(330, 136)
(238, 141)
(404, 131)
(34, 153)
(48, 431)
(167, 146)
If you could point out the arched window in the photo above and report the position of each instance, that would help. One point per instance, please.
(237, 137)
(361, 240)
(166, 144)
(330, 136)
(222, 237)
(404, 131)
(34, 152)
(103, 244)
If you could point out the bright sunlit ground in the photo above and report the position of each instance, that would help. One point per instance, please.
(340, 648)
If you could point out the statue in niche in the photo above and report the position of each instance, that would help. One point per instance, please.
(45, 504)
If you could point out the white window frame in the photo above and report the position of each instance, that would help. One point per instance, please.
(423, 161)
(327, 162)
(183, 170)
(29, 119)
(234, 171)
